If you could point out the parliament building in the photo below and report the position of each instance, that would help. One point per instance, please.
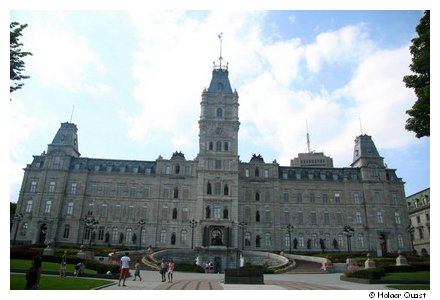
(215, 199)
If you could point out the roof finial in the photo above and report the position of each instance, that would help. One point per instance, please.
(71, 114)
(360, 124)
(218, 65)
(308, 137)
(220, 57)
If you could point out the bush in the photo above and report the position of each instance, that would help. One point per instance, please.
(373, 273)
(260, 268)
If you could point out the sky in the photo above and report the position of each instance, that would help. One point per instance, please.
(131, 80)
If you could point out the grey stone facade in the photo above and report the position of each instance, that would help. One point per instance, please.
(420, 221)
(234, 204)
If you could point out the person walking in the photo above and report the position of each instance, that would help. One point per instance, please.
(137, 270)
(33, 275)
(163, 269)
(63, 264)
(125, 268)
(171, 266)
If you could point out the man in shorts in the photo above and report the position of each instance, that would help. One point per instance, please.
(125, 268)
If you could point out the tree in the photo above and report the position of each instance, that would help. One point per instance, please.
(420, 112)
(16, 55)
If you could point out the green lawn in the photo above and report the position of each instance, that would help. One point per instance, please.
(420, 275)
(47, 266)
(47, 282)
(409, 287)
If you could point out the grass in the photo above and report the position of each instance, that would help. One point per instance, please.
(409, 286)
(47, 266)
(419, 275)
(47, 282)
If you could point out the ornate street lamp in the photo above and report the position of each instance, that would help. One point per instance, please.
(348, 231)
(17, 219)
(141, 224)
(193, 224)
(289, 228)
(242, 225)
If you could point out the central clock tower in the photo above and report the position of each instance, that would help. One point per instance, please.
(217, 188)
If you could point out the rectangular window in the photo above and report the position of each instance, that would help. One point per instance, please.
(299, 197)
(48, 206)
(397, 218)
(29, 206)
(246, 172)
(358, 218)
(300, 218)
(326, 218)
(147, 192)
(218, 164)
(73, 188)
(339, 218)
(337, 197)
(324, 198)
(313, 220)
(33, 188)
(356, 198)
(379, 217)
(133, 192)
(52, 187)
(312, 197)
(101, 233)
(217, 188)
(70, 208)
(286, 196)
(185, 193)
(104, 210)
(266, 173)
(66, 232)
(377, 197)
(217, 211)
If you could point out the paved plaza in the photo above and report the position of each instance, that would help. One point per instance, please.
(151, 280)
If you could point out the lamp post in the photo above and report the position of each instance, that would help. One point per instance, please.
(411, 230)
(17, 219)
(193, 224)
(242, 225)
(289, 230)
(141, 224)
(348, 231)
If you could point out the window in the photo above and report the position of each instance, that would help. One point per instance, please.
(217, 188)
(226, 146)
(52, 187)
(299, 197)
(360, 241)
(29, 206)
(246, 172)
(257, 172)
(48, 206)
(337, 197)
(66, 232)
(225, 213)
(176, 193)
(286, 240)
(377, 197)
(128, 236)
(267, 240)
(324, 198)
(257, 196)
(312, 197)
(185, 214)
(24, 228)
(69, 208)
(218, 146)
(174, 213)
(101, 233)
(358, 218)
(185, 193)
(300, 218)
(168, 169)
(257, 216)
(421, 233)
(356, 198)
(258, 241)
(400, 240)
(219, 113)
(177, 169)
(301, 241)
(115, 234)
(395, 199)
(73, 188)
(210, 146)
(313, 219)
(338, 218)
(208, 212)
(104, 210)
(217, 211)
(218, 164)
(164, 212)
(163, 236)
(326, 218)
(286, 196)
(133, 192)
(267, 216)
(397, 217)
(418, 220)
(226, 190)
(247, 239)
(379, 217)
(183, 237)
(266, 173)
(286, 215)
(33, 188)
(173, 238)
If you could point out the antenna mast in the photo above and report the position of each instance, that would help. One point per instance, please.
(308, 137)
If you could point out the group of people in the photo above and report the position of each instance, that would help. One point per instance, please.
(167, 268)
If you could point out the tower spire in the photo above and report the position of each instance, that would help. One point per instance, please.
(219, 65)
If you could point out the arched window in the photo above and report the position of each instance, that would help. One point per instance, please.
(226, 190)
(257, 216)
(257, 196)
(209, 190)
(177, 169)
(173, 238)
(219, 113)
(257, 172)
(176, 193)
(174, 213)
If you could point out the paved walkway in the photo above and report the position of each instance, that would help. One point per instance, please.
(201, 281)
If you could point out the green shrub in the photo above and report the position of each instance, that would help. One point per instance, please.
(373, 273)
(261, 268)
